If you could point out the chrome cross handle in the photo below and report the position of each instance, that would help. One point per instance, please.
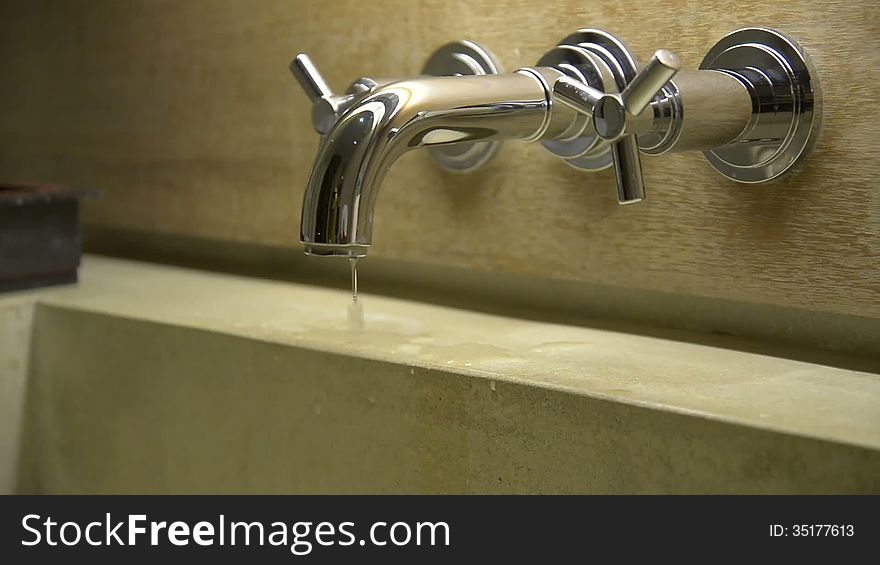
(324, 103)
(615, 116)
(326, 106)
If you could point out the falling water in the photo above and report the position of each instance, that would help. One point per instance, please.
(355, 309)
(354, 279)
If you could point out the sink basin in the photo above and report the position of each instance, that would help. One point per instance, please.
(153, 379)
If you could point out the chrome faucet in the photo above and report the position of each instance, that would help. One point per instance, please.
(750, 108)
(374, 123)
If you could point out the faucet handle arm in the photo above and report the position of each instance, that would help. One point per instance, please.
(628, 170)
(326, 107)
(649, 81)
(310, 80)
(577, 95)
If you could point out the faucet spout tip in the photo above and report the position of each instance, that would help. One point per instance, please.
(331, 250)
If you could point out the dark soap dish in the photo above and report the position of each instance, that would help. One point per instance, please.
(40, 242)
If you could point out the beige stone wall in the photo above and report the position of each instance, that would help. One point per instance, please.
(185, 115)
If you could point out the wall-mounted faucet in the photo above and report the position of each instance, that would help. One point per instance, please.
(752, 108)
(374, 125)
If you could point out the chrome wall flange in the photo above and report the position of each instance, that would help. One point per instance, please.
(462, 58)
(786, 103)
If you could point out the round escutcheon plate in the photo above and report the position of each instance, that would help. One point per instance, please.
(787, 103)
(461, 58)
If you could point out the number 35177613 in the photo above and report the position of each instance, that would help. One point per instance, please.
(812, 530)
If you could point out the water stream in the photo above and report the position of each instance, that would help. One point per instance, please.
(355, 309)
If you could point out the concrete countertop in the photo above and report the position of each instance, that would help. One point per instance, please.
(744, 388)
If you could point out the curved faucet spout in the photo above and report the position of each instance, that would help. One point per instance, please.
(369, 137)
